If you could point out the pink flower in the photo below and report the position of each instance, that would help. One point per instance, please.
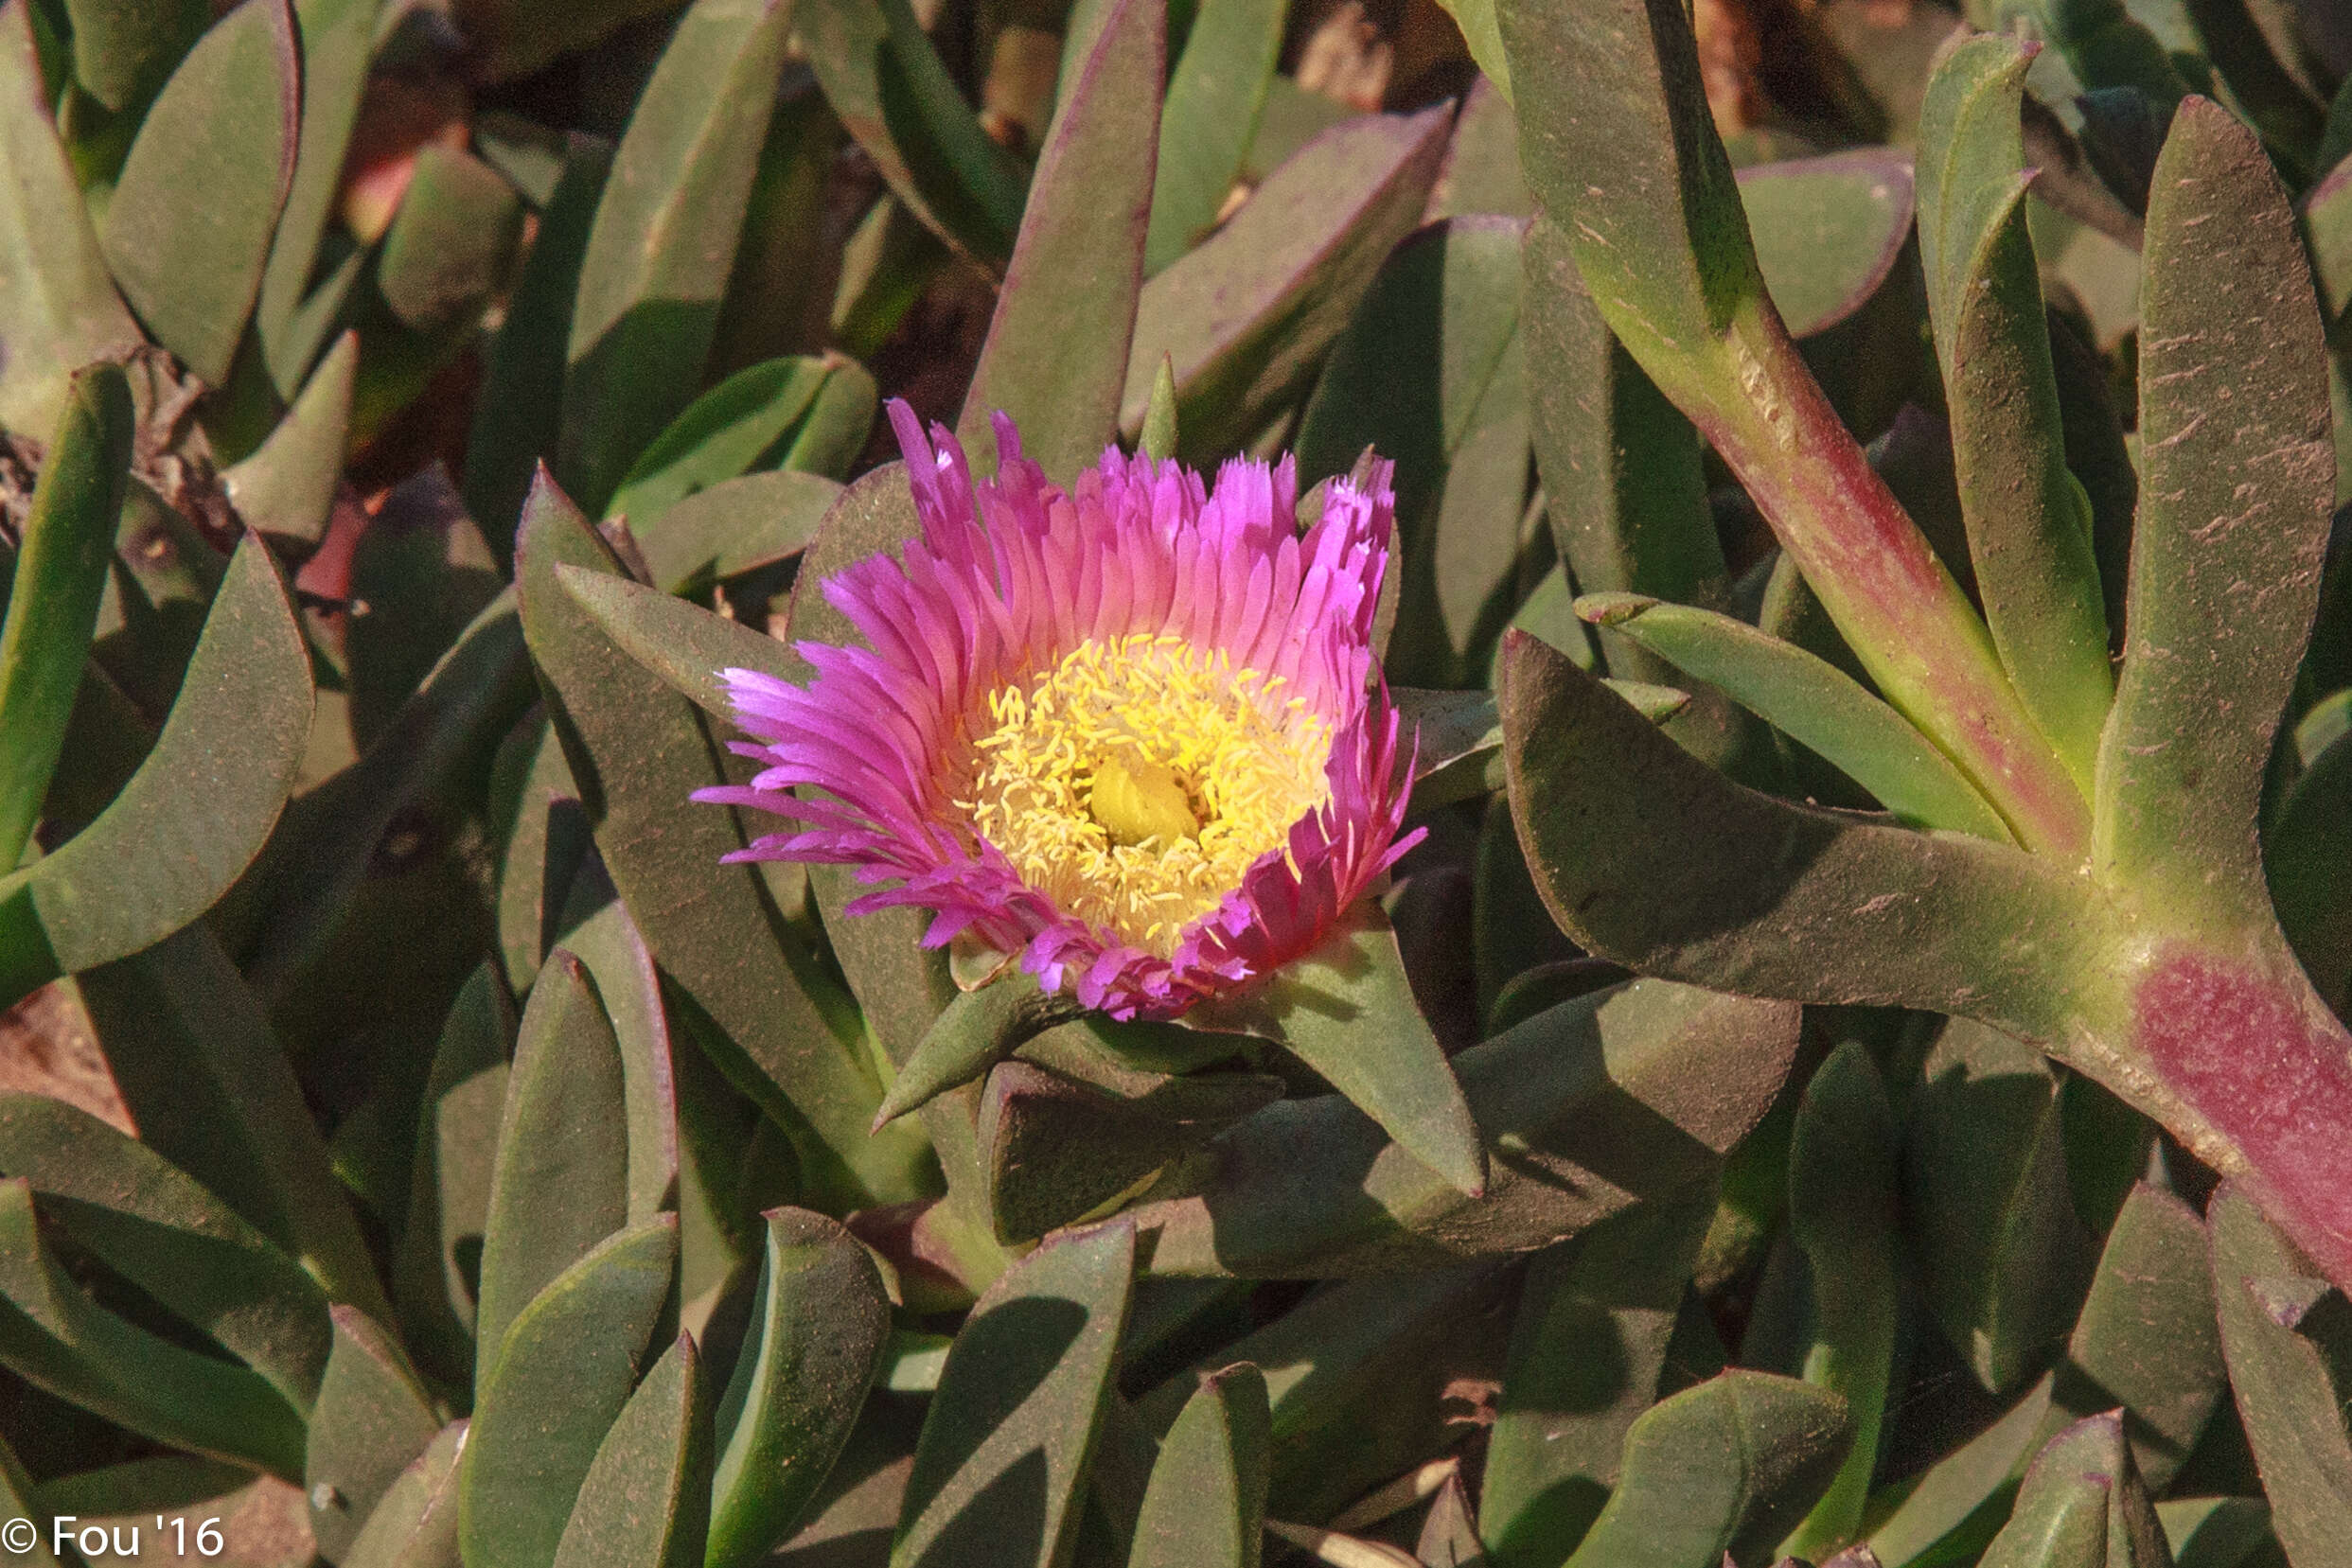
(1132, 732)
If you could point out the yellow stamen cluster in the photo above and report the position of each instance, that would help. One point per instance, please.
(1138, 779)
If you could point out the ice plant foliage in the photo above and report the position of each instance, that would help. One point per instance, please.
(1131, 730)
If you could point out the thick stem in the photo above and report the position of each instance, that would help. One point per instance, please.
(1908, 621)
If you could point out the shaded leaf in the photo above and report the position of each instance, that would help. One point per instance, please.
(1624, 1095)
(122, 1204)
(2005, 1257)
(198, 810)
(1842, 1203)
(64, 549)
(337, 38)
(2082, 1504)
(817, 1328)
(453, 242)
(58, 1339)
(414, 1525)
(1430, 373)
(211, 1092)
(1811, 700)
(1827, 231)
(1215, 94)
(890, 89)
(286, 490)
(2288, 1391)
(373, 1420)
(59, 310)
(187, 230)
(1006, 1447)
(642, 1502)
(1055, 359)
(737, 525)
(1205, 1505)
(656, 258)
(1718, 1469)
(560, 1182)
(1587, 1352)
(1248, 315)
(560, 1380)
(1959, 1502)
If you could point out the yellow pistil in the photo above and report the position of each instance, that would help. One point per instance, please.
(1135, 781)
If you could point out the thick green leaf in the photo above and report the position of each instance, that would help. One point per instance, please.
(1215, 94)
(656, 258)
(211, 1092)
(166, 578)
(1636, 181)
(1067, 1133)
(199, 808)
(337, 37)
(1587, 1352)
(1842, 1181)
(58, 1339)
(563, 1377)
(1004, 1454)
(121, 1202)
(2289, 1390)
(2106, 45)
(287, 487)
(1362, 1377)
(1828, 231)
(1430, 373)
(1812, 701)
(2228, 505)
(425, 575)
(735, 526)
(2216, 1532)
(187, 232)
(16, 1498)
(58, 308)
(975, 1032)
(314, 869)
(637, 753)
(891, 90)
(561, 1183)
(743, 423)
(123, 49)
(2083, 1505)
(1991, 1211)
(1648, 856)
(518, 412)
(1604, 1101)
(596, 928)
(2265, 88)
(436, 1267)
(2147, 1337)
(59, 571)
(2309, 858)
(414, 1524)
(506, 39)
(373, 1420)
(818, 1324)
(452, 244)
(1205, 1505)
(1623, 489)
(1959, 1502)
(1248, 316)
(1347, 1009)
(2028, 520)
(643, 1503)
(1055, 359)
(683, 644)
(1721, 1468)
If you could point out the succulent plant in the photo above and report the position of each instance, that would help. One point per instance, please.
(1594, 811)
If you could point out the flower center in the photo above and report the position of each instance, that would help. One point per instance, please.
(1135, 781)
